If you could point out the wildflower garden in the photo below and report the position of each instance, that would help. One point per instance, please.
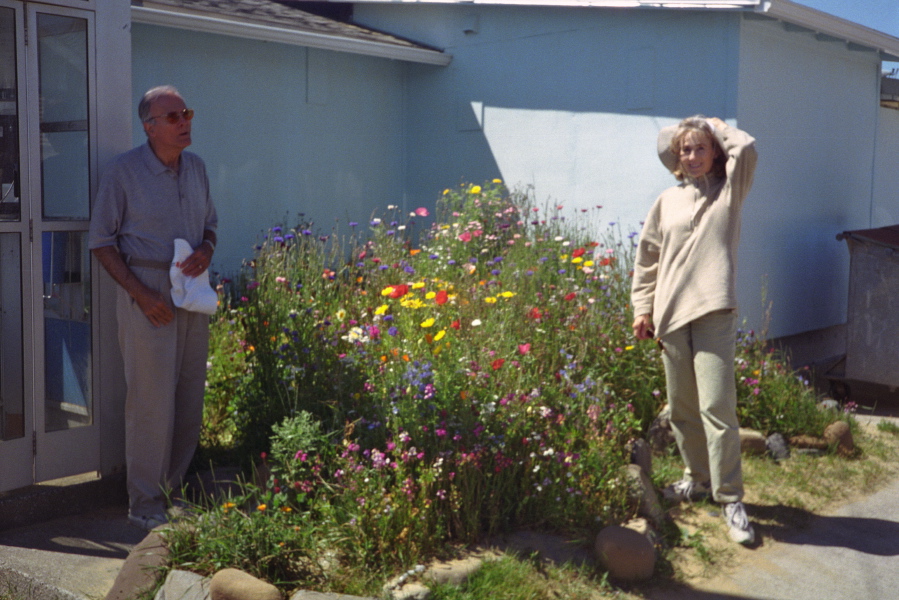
(407, 388)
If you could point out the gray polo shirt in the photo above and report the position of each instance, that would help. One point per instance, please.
(142, 205)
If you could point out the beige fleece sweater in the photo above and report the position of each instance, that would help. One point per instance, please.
(687, 255)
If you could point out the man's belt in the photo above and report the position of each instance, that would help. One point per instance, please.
(149, 264)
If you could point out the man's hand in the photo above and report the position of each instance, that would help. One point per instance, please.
(198, 261)
(154, 307)
(643, 327)
(151, 302)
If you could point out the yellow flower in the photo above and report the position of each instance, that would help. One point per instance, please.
(507, 294)
(497, 181)
(428, 323)
(381, 309)
(588, 263)
(475, 189)
(418, 285)
(412, 303)
(387, 291)
(628, 347)
(446, 191)
(490, 300)
(439, 335)
(563, 257)
(341, 315)
(577, 260)
(261, 508)
(430, 295)
(228, 506)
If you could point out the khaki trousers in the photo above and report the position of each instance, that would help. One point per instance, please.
(699, 371)
(165, 373)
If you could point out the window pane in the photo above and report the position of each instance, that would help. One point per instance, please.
(12, 395)
(67, 330)
(9, 130)
(62, 63)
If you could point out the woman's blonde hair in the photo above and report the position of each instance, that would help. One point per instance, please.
(698, 124)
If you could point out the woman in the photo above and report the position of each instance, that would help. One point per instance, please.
(684, 294)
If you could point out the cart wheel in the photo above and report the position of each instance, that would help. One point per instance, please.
(839, 390)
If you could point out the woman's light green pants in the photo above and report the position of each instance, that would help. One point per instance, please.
(699, 370)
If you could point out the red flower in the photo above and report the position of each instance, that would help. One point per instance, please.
(578, 252)
(534, 313)
(399, 291)
(570, 296)
(441, 297)
(497, 363)
(455, 324)
(605, 262)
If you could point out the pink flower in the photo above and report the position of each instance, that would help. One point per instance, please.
(422, 212)
(524, 348)
(465, 236)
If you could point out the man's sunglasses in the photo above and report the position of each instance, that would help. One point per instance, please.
(175, 116)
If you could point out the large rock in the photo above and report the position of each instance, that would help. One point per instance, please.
(233, 584)
(641, 454)
(644, 493)
(809, 442)
(752, 442)
(839, 434)
(454, 572)
(625, 554)
(184, 585)
(310, 595)
(142, 568)
(777, 447)
(661, 436)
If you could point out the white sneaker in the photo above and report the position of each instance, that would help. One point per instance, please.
(148, 522)
(738, 526)
(687, 490)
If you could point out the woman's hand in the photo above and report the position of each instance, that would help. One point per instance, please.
(716, 123)
(643, 327)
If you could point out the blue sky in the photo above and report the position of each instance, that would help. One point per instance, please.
(882, 15)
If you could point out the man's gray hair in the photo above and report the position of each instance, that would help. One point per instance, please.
(143, 107)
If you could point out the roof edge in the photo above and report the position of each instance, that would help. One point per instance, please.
(284, 35)
(824, 23)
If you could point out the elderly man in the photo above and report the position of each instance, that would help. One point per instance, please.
(149, 197)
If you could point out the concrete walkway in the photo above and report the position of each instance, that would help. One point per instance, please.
(850, 554)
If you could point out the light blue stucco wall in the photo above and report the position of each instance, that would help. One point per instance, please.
(567, 100)
(283, 130)
(813, 107)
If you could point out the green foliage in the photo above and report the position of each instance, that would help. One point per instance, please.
(771, 397)
(434, 386)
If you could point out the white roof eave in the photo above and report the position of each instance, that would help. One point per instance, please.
(829, 25)
(284, 35)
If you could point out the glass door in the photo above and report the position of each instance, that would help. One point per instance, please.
(16, 352)
(60, 127)
(48, 425)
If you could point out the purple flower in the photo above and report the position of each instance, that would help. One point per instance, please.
(392, 331)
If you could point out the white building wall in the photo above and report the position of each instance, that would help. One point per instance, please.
(886, 171)
(813, 108)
